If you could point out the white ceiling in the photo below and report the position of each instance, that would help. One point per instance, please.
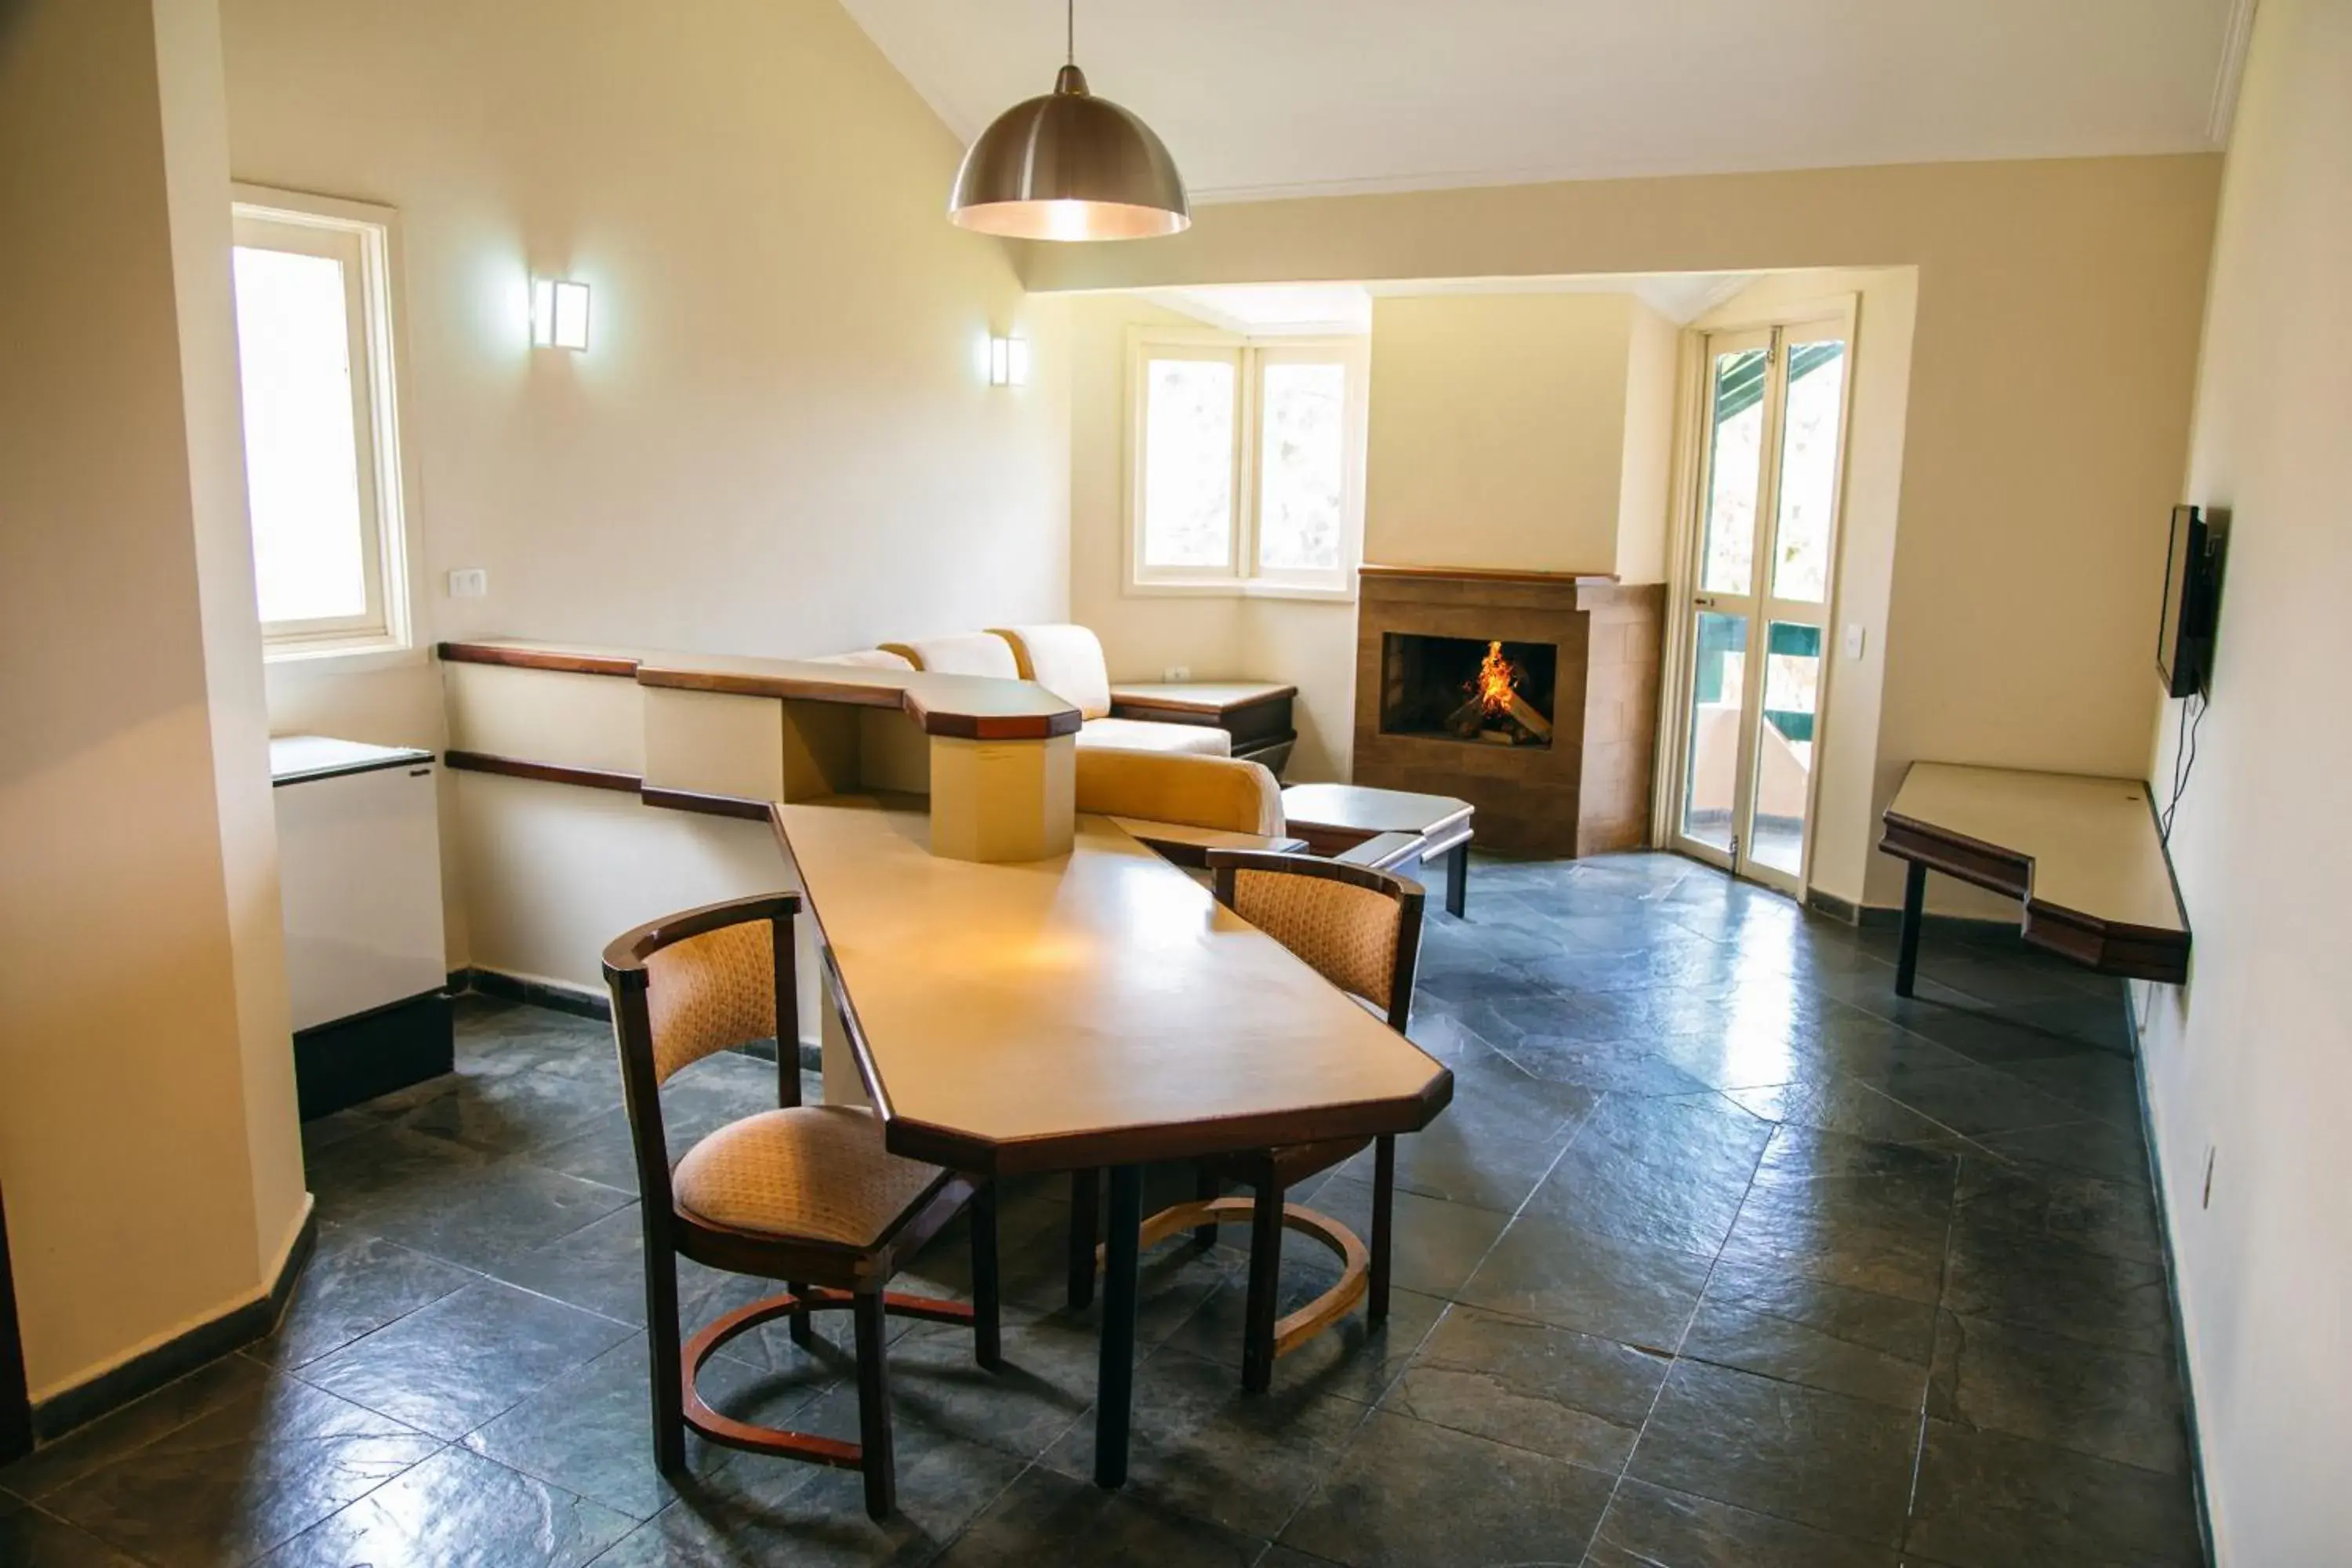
(1262, 98)
(1680, 297)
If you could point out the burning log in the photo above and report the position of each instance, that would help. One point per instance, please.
(1496, 712)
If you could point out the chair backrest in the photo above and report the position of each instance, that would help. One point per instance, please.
(1359, 928)
(1228, 792)
(969, 653)
(1066, 660)
(693, 984)
(868, 658)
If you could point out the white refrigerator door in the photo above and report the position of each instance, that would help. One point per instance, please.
(360, 871)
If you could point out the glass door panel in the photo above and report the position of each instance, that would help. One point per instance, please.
(1784, 757)
(1734, 465)
(1812, 421)
(1711, 751)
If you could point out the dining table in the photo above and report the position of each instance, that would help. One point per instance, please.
(1097, 1009)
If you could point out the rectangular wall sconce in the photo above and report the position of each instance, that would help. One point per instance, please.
(1008, 361)
(559, 313)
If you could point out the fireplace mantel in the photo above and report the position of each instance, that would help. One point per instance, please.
(1588, 790)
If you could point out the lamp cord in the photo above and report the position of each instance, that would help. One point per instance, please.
(1070, 32)
(2184, 759)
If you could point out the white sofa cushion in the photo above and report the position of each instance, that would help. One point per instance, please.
(1066, 660)
(1144, 735)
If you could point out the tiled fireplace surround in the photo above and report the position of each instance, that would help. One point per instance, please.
(1586, 793)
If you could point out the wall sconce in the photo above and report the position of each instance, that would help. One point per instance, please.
(1008, 361)
(559, 313)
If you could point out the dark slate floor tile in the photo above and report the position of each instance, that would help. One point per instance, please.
(1825, 1336)
(2099, 1084)
(1573, 1396)
(354, 1284)
(1496, 1097)
(1802, 1454)
(2104, 1149)
(133, 1428)
(1841, 1104)
(455, 1364)
(2067, 1290)
(1988, 1036)
(2114, 1218)
(1352, 1358)
(458, 1508)
(1652, 1527)
(1205, 1448)
(481, 1216)
(1022, 1408)
(1615, 1065)
(501, 1114)
(1410, 1495)
(2111, 1403)
(236, 1482)
(386, 1165)
(39, 1539)
(1989, 1500)
(1672, 1172)
(1973, 1100)
(1449, 1161)
(1876, 1234)
(1637, 1293)
(1435, 1246)
(600, 1152)
(590, 1434)
(1752, 1050)
(1044, 1517)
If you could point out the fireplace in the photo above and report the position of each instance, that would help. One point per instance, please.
(1531, 695)
(1484, 692)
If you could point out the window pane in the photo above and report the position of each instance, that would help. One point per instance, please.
(1188, 463)
(1711, 761)
(1784, 763)
(302, 466)
(1808, 471)
(1733, 464)
(1302, 461)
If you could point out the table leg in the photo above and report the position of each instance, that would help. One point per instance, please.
(1115, 1384)
(1457, 879)
(1915, 904)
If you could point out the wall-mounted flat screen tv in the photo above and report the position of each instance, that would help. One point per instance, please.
(2184, 637)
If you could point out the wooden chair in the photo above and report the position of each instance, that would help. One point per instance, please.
(805, 1194)
(1360, 929)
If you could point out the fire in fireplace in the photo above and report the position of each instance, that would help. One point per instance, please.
(1492, 693)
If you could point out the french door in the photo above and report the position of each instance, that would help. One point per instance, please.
(1755, 596)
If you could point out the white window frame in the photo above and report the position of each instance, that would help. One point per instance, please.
(366, 240)
(1241, 575)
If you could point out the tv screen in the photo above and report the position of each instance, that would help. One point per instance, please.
(2182, 635)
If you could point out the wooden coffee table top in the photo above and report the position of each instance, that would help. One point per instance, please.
(1356, 808)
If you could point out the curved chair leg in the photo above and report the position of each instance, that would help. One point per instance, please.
(1264, 1289)
(803, 1333)
(987, 1340)
(1086, 1224)
(1376, 1308)
(874, 1408)
(1207, 1188)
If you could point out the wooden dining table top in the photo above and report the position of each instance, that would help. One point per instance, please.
(1096, 1008)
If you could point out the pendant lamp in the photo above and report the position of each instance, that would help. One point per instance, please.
(1069, 165)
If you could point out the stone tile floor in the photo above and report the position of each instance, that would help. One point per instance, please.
(1723, 1255)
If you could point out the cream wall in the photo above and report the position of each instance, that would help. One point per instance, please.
(1497, 430)
(1646, 487)
(780, 440)
(2052, 356)
(148, 1151)
(2251, 1063)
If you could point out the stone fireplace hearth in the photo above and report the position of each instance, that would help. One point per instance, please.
(1531, 695)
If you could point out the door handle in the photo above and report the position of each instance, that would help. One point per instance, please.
(1703, 601)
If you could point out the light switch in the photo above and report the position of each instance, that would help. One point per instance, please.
(469, 582)
(1853, 639)
(1177, 672)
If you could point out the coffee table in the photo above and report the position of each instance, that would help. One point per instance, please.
(1387, 828)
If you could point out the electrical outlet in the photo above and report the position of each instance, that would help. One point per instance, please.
(469, 582)
(1855, 635)
(1176, 672)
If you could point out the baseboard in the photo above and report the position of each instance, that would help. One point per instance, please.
(554, 993)
(356, 1058)
(2171, 1285)
(177, 1357)
(585, 1005)
(1844, 910)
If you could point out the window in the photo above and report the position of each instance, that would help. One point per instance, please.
(1245, 464)
(322, 467)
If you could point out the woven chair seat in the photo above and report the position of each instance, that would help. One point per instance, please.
(815, 1173)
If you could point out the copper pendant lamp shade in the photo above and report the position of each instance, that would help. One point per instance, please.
(1069, 165)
